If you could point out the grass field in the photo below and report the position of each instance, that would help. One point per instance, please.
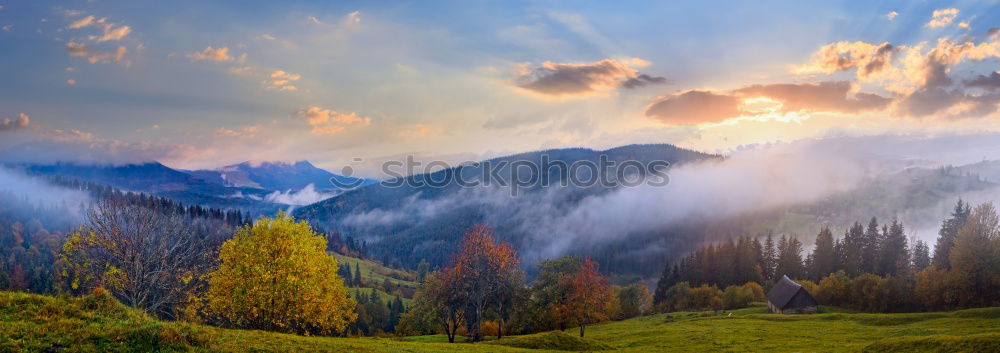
(33, 323)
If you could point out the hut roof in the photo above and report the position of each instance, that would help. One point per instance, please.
(783, 292)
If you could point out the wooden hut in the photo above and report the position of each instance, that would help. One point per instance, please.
(788, 297)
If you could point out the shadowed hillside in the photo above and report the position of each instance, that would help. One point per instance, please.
(412, 222)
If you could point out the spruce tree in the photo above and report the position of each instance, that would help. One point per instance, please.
(946, 236)
(667, 279)
(422, 268)
(869, 248)
(853, 249)
(357, 275)
(789, 258)
(894, 257)
(768, 257)
(823, 259)
(921, 256)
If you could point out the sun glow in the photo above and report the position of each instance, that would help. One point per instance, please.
(763, 109)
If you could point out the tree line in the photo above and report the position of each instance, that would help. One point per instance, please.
(871, 267)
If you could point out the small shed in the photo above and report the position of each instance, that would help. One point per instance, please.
(788, 297)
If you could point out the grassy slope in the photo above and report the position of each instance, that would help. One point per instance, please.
(375, 273)
(99, 324)
(33, 323)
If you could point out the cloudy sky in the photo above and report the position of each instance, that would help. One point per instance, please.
(202, 84)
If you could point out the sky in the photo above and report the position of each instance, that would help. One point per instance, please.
(197, 84)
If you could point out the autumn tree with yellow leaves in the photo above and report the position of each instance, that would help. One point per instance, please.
(277, 276)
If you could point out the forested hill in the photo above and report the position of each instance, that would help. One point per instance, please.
(406, 224)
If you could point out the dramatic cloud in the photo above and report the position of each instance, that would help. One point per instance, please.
(931, 69)
(556, 79)
(96, 56)
(694, 107)
(824, 96)
(22, 121)
(282, 81)
(329, 122)
(211, 54)
(869, 59)
(918, 75)
(942, 18)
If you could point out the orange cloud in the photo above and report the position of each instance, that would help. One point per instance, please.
(329, 122)
(942, 18)
(830, 96)
(282, 80)
(919, 75)
(211, 54)
(83, 22)
(696, 107)
(21, 122)
(109, 31)
(869, 59)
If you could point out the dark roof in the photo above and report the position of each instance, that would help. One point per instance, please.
(784, 291)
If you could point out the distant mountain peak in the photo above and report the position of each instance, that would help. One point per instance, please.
(300, 164)
(270, 175)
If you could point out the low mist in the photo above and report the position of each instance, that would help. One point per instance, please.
(752, 179)
(39, 192)
(304, 196)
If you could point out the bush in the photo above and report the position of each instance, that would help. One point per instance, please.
(705, 297)
(489, 328)
(835, 289)
(634, 300)
(756, 290)
(737, 297)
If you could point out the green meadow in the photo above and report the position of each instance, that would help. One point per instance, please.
(35, 323)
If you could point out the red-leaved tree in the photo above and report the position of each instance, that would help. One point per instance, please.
(484, 272)
(588, 297)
